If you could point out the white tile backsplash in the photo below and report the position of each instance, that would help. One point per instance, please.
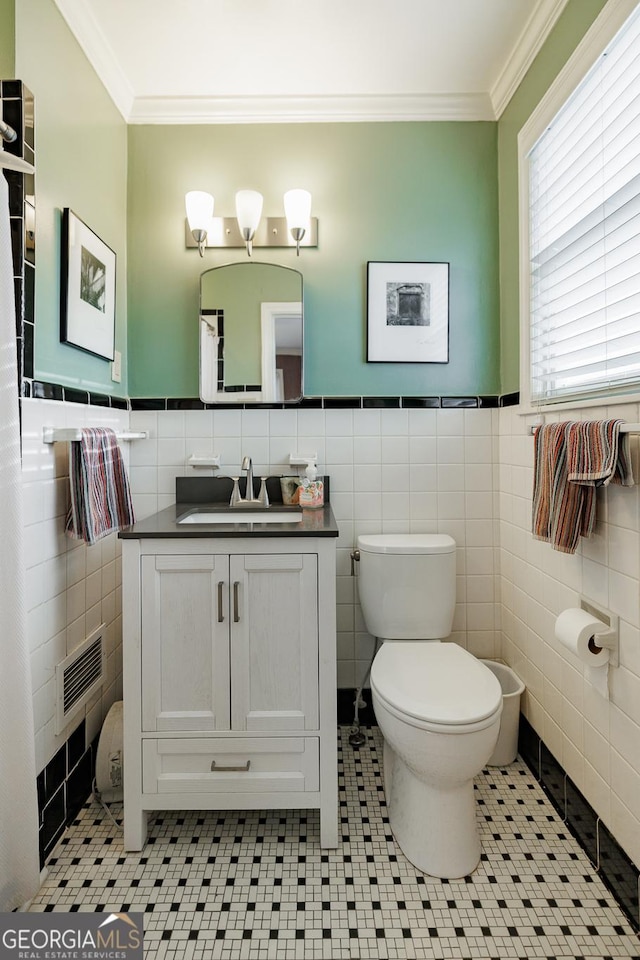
(391, 471)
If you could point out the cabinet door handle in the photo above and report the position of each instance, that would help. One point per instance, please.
(220, 602)
(241, 768)
(236, 610)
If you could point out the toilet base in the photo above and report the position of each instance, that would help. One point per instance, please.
(435, 827)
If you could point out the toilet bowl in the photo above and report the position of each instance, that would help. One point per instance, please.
(439, 715)
(438, 707)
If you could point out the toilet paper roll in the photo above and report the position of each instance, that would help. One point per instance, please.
(577, 631)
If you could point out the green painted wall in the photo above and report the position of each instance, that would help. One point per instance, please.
(7, 39)
(381, 191)
(572, 25)
(388, 191)
(81, 163)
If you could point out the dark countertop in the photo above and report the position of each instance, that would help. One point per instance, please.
(314, 523)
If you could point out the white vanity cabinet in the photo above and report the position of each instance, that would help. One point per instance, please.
(229, 677)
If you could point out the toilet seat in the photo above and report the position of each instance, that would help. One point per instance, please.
(436, 686)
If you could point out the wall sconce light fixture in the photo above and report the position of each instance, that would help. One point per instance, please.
(248, 228)
(297, 209)
(248, 213)
(199, 207)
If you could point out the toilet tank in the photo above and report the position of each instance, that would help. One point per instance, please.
(407, 585)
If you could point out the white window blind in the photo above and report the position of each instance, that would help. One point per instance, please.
(584, 216)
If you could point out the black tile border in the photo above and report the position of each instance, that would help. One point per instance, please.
(54, 391)
(63, 786)
(386, 403)
(420, 403)
(453, 403)
(42, 390)
(479, 402)
(17, 106)
(618, 873)
(76, 396)
(152, 404)
(615, 868)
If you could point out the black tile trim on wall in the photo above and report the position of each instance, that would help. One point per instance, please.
(615, 868)
(41, 390)
(17, 107)
(63, 787)
(333, 403)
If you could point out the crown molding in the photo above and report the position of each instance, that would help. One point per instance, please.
(535, 32)
(316, 109)
(100, 55)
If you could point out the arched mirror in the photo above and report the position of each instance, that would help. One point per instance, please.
(251, 323)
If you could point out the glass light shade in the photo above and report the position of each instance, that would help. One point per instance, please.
(248, 211)
(199, 206)
(297, 208)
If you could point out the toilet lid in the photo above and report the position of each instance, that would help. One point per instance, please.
(412, 543)
(436, 682)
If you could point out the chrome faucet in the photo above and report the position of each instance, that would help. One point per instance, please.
(247, 464)
(249, 499)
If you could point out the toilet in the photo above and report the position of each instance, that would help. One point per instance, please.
(437, 706)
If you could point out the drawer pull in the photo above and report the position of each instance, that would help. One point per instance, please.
(220, 605)
(236, 612)
(242, 768)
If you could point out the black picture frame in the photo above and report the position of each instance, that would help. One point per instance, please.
(87, 289)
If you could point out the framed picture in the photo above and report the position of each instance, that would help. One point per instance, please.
(407, 312)
(87, 289)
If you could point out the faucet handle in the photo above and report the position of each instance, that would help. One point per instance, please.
(263, 496)
(235, 493)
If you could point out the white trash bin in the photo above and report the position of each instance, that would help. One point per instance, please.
(506, 748)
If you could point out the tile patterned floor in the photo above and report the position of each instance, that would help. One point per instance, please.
(256, 885)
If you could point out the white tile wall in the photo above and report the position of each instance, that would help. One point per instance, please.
(596, 740)
(391, 471)
(465, 472)
(71, 588)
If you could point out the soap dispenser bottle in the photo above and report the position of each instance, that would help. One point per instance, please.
(311, 489)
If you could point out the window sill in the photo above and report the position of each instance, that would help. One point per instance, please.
(527, 409)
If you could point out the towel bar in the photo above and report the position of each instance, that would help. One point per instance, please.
(56, 434)
(624, 428)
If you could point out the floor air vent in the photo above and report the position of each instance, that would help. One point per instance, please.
(78, 677)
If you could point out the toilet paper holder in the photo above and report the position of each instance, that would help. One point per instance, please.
(608, 637)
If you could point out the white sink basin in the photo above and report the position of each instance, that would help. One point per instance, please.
(244, 516)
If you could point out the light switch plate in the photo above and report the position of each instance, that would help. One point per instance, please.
(116, 367)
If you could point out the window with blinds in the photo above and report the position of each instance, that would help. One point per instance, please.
(584, 233)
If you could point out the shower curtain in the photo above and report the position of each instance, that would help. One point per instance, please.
(19, 859)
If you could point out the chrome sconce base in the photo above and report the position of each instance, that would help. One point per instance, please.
(271, 232)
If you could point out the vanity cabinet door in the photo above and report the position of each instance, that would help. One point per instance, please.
(274, 642)
(185, 643)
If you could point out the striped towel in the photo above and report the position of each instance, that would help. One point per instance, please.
(570, 460)
(100, 496)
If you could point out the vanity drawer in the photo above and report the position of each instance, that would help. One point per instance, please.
(233, 765)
